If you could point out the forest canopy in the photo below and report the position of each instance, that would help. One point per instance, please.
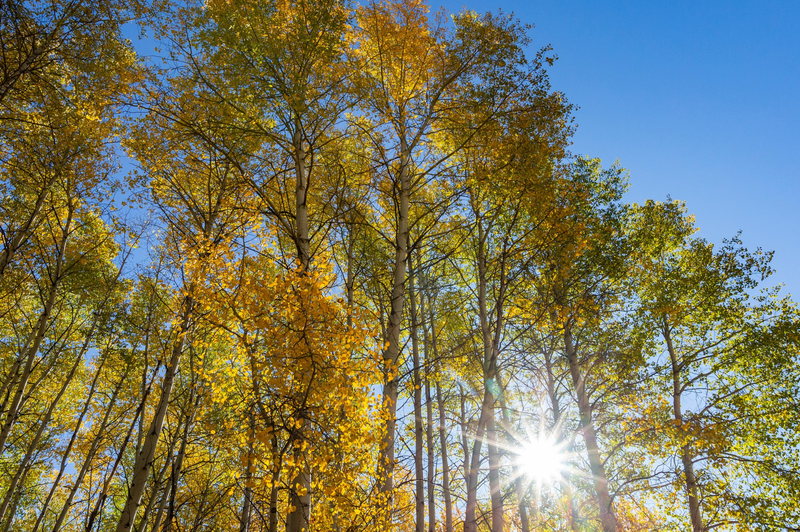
(351, 278)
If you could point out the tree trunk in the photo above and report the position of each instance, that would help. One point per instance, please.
(90, 456)
(419, 480)
(608, 519)
(177, 464)
(429, 442)
(448, 501)
(462, 422)
(431, 457)
(244, 521)
(15, 503)
(165, 496)
(391, 354)
(470, 521)
(302, 241)
(157, 486)
(486, 420)
(46, 421)
(299, 495)
(276, 477)
(145, 458)
(564, 479)
(65, 455)
(686, 452)
(494, 477)
(162, 506)
(300, 486)
(14, 408)
(518, 484)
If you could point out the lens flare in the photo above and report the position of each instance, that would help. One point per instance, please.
(540, 460)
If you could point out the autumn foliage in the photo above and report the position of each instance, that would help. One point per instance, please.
(330, 266)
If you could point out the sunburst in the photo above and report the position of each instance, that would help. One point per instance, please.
(541, 459)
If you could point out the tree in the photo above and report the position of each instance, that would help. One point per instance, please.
(712, 326)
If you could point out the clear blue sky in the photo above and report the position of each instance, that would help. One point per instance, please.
(698, 99)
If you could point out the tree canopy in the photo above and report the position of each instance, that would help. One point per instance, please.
(353, 279)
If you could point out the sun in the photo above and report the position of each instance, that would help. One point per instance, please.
(541, 460)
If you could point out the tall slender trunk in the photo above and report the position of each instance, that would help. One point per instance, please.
(419, 481)
(166, 497)
(448, 500)
(15, 503)
(10, 379)
(462, 422)
(491, 338)
(145, 458)
(68, 450)
(608, 519)
(157, 487)
(300, 486)
(564, 478)
(519, 488)
(100, 498)
(391, 354)
(276, 453)
(177, 464)
(687, 458)
(198, 517)
(431, 456)
(429, 441)
(470, 521)
(523, 509)
(276, 477)
(89, 459)
(244, 521)
(16, 402)
(299, 494)
(162, 506)
(46, 420)
(494, 477)
(302, 241)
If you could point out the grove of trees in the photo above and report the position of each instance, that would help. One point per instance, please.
(356, 281)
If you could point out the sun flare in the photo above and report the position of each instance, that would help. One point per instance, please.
(540, 460)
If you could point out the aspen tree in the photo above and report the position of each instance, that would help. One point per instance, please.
(697, 301)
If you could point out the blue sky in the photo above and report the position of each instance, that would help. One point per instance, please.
(699, 100)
